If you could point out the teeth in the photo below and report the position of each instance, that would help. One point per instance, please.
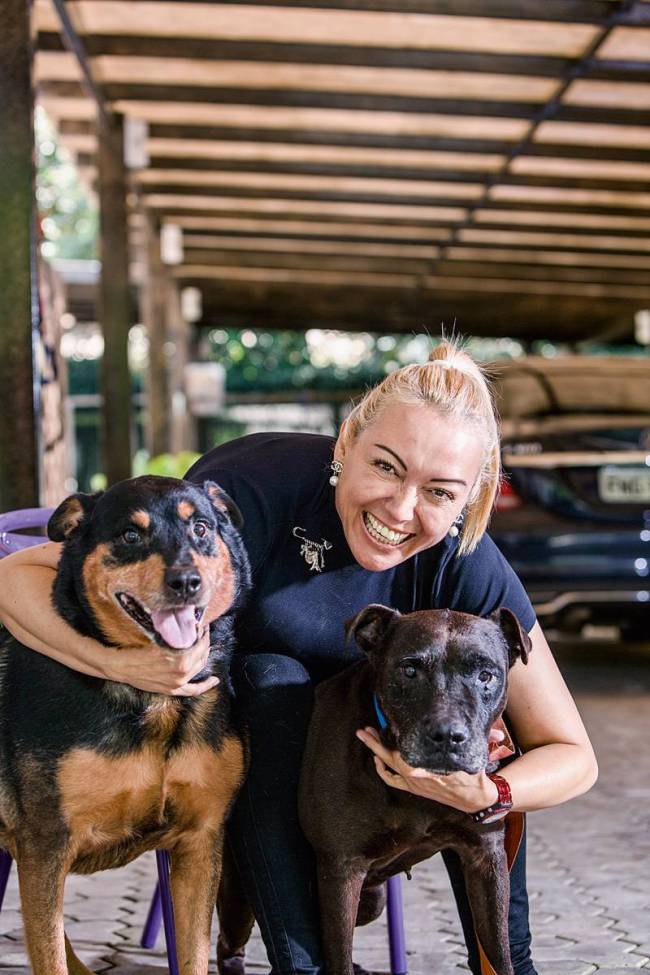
(381, 532)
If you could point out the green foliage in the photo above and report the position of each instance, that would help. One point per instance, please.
(282, 360)
(164, 465)
(69, 222)
(323, 359)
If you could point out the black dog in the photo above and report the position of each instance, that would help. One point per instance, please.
(440, 678)
(93, 773)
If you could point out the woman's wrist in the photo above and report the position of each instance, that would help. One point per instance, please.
(487, 795)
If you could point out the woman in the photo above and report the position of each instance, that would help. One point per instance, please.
(400, 521)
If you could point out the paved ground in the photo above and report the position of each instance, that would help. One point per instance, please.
(589, 881)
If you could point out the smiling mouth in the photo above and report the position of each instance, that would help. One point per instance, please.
(381, 533)
(175, 627)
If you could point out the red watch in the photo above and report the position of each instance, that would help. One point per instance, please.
(500, 808)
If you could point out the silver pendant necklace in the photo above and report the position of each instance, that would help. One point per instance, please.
(312, 552)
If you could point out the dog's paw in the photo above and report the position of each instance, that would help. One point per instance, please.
(235, 965)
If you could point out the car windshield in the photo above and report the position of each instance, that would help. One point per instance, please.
(538, 387)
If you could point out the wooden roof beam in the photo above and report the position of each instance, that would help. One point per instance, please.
(126, 93)
(75, 119)
(562, 11)
(299, 260)
(74, 43)
(229, 303)
(596, 44)
(214, 49)
(392, 29)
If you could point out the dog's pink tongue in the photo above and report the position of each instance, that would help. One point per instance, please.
(177, 627)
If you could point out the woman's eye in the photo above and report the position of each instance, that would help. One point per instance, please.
(485, 677)
(409, 670)
(131, 536)
(384, 466)
(200, 529)
(439, 494)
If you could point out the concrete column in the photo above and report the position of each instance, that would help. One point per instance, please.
(184, 432)
(19, 383)
(154, 314)
(114, 300)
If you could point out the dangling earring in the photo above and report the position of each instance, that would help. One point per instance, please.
(337, 467)
(455, 528)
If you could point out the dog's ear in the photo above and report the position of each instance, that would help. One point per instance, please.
(70, 515)
(223, 503)
(370, 626)
(519, 644)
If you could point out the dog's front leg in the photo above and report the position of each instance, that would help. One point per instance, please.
(339, 890)
(236, 918)
(41, 878)
(488, 889)
(195, 873)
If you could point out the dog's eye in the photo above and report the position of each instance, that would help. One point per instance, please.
(409, 670)
(201, 529)
(131, 536)
(485, 677)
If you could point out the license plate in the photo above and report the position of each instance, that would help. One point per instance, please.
(617, 484)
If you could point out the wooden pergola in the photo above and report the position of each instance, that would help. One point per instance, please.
(364, 164)
(384, 164)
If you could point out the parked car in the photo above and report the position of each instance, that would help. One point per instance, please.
(573, 515)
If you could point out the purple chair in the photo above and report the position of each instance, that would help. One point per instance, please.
(161, 906)
(394, 916)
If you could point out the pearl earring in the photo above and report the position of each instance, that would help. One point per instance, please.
(455, 528)
(337, 467)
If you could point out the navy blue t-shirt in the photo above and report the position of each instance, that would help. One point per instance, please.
(280, 482)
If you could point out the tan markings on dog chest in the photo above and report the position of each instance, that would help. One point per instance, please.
(162, 717)
(201, 715)
(103, 577)
(105, 799)
(185, 510)
(141, 518)
(219, 576)
(201, 783)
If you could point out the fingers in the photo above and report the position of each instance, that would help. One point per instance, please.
(161, 671)
(194, 690)
(370, 738)
(389, 777)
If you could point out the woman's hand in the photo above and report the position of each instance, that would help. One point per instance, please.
(465, 792)
(162, 671)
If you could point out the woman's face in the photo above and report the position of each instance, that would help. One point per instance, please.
(404, 482)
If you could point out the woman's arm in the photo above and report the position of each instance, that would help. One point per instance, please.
(26, 609)
(558, 761)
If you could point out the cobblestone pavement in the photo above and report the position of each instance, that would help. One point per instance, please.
(589, 877)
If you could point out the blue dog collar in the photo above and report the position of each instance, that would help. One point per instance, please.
(381, 718)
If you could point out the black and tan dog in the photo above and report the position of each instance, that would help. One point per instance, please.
(92, 772)
(441, 680)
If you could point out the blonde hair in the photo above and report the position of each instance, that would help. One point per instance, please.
(454, 385)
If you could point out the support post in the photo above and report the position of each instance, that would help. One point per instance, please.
(114, 299)
(19, 383)
(155, 321)
(184, 431)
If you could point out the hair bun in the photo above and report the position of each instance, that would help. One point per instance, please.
(445, 361)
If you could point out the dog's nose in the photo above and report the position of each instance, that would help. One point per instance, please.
(183, 583)
(448, 734)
